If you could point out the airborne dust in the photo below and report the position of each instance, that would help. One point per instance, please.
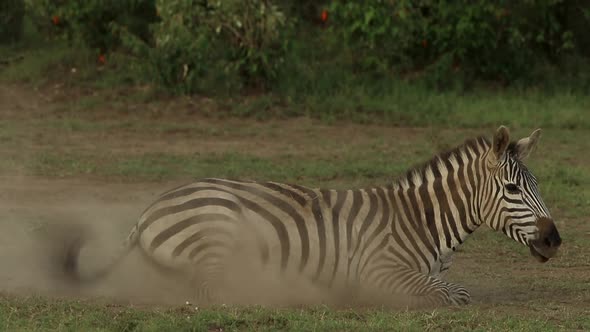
(39, 217)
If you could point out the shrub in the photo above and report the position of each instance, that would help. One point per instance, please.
(240, 42)
(306, 10)
(92, 22)
(253, 31)
(496, 41)
(211, 45)
(374, 29)
(11, 20)
(183, 60)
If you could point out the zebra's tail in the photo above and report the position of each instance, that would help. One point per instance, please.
(71, 259)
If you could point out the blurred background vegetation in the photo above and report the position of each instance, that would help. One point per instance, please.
(397, 60)
(106, 91)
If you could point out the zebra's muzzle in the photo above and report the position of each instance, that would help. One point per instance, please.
(548, 242)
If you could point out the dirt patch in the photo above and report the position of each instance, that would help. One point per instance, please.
(48, 118)
(39, 217)
(36, 213)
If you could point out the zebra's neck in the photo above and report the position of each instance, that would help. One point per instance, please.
(439, 201)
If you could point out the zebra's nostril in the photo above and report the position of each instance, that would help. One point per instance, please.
(547, 242)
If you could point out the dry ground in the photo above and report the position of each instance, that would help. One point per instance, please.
(105, 180)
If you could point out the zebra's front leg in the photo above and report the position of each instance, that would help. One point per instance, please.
(458, 295)
(417, 289)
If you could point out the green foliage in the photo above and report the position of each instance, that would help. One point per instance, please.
(371, 28)
(326, 48)
(308, 11)
(225, 44)
(11, 20)
(96, 23)
(495, 41)
(182, 60)
(254, 31)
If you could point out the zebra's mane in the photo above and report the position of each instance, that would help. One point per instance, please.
(436, 166)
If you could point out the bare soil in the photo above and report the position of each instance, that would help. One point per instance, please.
(36, 213)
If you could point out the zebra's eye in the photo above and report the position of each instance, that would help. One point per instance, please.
(512, 188)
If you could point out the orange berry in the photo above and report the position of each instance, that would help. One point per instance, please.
(324, 15)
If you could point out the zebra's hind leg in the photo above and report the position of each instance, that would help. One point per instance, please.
(207, 285)
(204, 293)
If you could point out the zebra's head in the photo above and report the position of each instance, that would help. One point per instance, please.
(514, 204)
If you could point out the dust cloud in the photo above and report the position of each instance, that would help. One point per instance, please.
(40, 218)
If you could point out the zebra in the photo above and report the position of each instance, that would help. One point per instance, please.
(397, 239)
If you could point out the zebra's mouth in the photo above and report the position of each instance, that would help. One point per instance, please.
(537, 255)
(548, 242)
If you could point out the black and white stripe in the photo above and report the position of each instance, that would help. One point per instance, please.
(396, 239)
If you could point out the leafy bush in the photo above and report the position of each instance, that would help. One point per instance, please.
(239, 42)
(285, 45)
(183, 59)
(305, 10)
(11, 20)
(92, 22)
(254, 32)
(486, 40)
(383, 32)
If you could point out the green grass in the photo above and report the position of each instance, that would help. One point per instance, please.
(41, 314)
(324, 91)
(161, 166)
(39, 60)
(403, 103)
(100, 128)
(511, 291)
(414, 105)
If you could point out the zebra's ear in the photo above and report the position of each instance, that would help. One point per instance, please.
(501, 142)
(526, 145)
